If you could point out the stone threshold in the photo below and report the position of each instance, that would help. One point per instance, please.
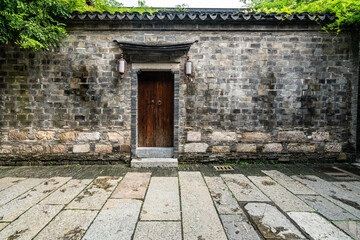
(154, 163)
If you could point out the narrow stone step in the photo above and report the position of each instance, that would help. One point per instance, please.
(154, 163)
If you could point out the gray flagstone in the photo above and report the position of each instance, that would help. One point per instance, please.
(14, 191)
(317, 227)
(279, 195)
(67, 192)
(133, 186)
(243, 189)
(15, 208)
(30, 223)
(158, 231)
(222, 197)
(162, 200)
(350, 227)
(271, 222)
(116, 220)
(238, 227)
(69, 224)
(200, 219)
(348, 186)
(96, 194)
(292, 185)
(8, 182)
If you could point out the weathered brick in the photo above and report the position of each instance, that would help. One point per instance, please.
(115, 137)
(67, 136)
(255, 137)
(88, 136)
(246, 147)
(291, 136)
(333, 147)
(16, 135)
(31, 149)
(81, 148)
(196, 147)
(5, 149)
(103, 148)
(125, 148)
(220, 149)
(223, 136)
(194, 136)
(320, 136)
(59, 148)
(45, 135)
(302, 147)
(273, 147)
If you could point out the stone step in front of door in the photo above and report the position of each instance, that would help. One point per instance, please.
(154, 152)
(154, 163)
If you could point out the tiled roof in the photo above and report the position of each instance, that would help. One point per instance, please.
(197, 15)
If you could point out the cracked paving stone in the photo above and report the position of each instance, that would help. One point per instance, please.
(199, 216)
(3, 225)
(238, 227)
(16, 207)
(8, 182)
(317, 227)
(350, 227)
(348, 186)
(116, 220)
(162, 200)
(271, 222)
(96, 194)
(223, 199)
(279, 195)
(133, 186)
(14, 191)
(158, 231)
(292, 185)
(67, 192)
(69, 224)
(327, 208)
(30, 223)
(243, 189)
(337, 195)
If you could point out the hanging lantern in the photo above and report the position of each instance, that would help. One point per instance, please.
(188, 67)
(121, 66)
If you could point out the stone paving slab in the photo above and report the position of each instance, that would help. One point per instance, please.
(158, 231)
(271, 222)
(348, 186)
(30, 223)
(133, 186)
(279, 195)
(238, 227)
(350, 227)
(339, 196)
(3, 225)
(290, 184)
(96, 194)
(243, 189)
(67, 192)
(116, 220)
(327, 208)
(18, 189)
(162, 200)
(200, 219)
(69, 224)
(15, 208)
(317, 227)
(8, 182)
(222, 197)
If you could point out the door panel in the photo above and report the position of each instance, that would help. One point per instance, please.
(155, 109)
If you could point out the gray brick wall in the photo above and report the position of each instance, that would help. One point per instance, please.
(286, 92)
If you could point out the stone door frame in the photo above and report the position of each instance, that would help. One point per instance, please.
(136, 68)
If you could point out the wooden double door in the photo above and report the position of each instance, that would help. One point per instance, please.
(155, 109)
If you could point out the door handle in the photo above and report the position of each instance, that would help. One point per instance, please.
(159, 102)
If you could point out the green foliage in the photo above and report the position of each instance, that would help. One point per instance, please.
(347, 11)
(36, 25)
(33, 23)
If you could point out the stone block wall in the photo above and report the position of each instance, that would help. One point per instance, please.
(283, 92)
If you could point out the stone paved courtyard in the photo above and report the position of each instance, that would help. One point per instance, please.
(195, 202)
